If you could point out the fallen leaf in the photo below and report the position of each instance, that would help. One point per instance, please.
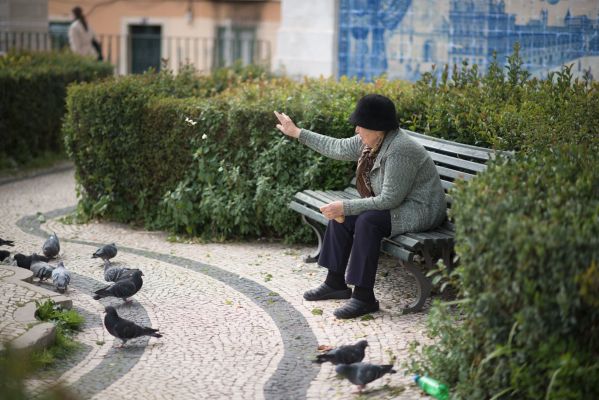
(325, 347)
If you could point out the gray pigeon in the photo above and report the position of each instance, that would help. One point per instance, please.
(128, 273)
(61, 277)
(124, 329)
(40, 269)
(123, 288)
(4, 242)
(348, 354)
(362, 374)
(106, 252)
(24, 261)
(113, 274)
(51, 246)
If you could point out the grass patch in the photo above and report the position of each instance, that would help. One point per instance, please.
(67, 323)
(61, 349)
(45, 160)
(317, 311)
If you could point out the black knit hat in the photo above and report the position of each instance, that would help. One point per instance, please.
(375, 112)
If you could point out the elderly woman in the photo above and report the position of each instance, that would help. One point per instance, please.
(400, 192)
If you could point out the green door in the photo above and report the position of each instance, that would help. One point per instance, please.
(145, 49)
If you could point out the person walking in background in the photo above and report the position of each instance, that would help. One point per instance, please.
(400, 192)
(81, 37)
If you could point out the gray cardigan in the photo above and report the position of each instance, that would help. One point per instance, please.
(404, 179)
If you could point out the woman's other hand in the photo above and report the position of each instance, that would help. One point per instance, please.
(333, 210)
(287, 126)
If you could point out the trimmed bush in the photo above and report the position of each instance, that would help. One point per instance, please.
(528, 323)
(138, 160)
(504, 108)
(33, 91)
(236, 182)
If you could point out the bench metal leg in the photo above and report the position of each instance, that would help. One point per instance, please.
(319, 230)
(423, 287)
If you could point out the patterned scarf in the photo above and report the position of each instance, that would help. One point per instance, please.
(365, 164)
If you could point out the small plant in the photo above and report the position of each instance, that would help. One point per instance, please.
(267, 276)
(316, 311)
(67, 322)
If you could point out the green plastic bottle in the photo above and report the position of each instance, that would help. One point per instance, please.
(432, 387)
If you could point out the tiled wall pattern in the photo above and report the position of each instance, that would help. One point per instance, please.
(404, 38)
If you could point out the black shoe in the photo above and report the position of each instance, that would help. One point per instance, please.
(325, 292)
(355, 308)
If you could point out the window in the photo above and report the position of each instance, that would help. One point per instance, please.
(235, 44)
(59, 34)
(428, 51)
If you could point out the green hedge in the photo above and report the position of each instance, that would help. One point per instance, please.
(32, 97)
(139, 161)
(506, 109)
(235, 183)
(528, 324)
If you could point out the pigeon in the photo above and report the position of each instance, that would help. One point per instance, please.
(106, 252)
(8, 260)
(113, 274)
(347, 354)
(51, 246)
(61, 277)
(128, 273)
(124, 329)
(362, 374)
(24, 261)
(4, 242)
(4, 254)
(40, 268)
(123, 288)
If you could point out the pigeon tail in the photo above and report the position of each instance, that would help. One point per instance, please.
(388, 369)
(322, 358)
(152, 332)
(101, 293)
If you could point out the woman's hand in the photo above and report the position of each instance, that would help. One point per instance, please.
(287, 126)
(333, 210)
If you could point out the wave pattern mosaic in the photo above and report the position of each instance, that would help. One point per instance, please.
(404, 38)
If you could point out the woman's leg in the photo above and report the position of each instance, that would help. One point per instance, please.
(337, 245)
(336, 248)
(370, 229)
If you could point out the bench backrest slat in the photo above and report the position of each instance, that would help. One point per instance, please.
(442, 145)
(456, 163)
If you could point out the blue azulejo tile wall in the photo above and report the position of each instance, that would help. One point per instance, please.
(404, 38)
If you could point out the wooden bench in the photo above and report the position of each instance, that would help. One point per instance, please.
(418, 252)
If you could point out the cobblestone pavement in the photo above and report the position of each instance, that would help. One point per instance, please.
(234, 321)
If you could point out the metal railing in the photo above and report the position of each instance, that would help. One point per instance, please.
(137, 52)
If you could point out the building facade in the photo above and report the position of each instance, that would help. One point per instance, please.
(136, 35)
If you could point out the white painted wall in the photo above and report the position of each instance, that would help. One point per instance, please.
(307, 38)
(24, 15)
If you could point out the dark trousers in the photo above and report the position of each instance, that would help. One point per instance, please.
(357, 239)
